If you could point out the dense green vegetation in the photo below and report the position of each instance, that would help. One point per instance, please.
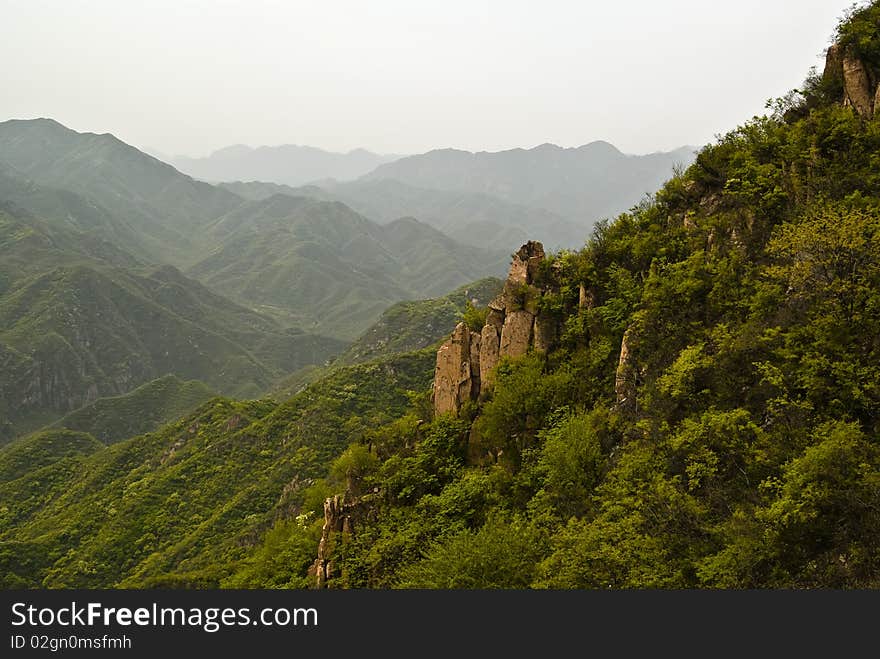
(184, 506)
(738, 445)
(140, 411)
(80, 319)
(321, 266)
(749, 288)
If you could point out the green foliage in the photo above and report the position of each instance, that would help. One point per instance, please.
(749, 289)
(501, 554)
(473, 317)
(195, 503)
(143, 410)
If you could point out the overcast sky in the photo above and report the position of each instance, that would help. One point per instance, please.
(188, 77)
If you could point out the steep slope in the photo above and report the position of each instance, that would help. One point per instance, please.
(413, 325)
(689, 402)
(404, 327)
(287, 164)
(140, 411)
(581, 185)
(321, 266)
(78, 320)
(160, 207)
(182, 506)
(470, 218)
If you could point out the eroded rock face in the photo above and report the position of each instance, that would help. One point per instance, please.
(860, 88)
(526, 262)
(513, 326)
(544, 333)
(338, 519)
(857, 85)
(625, 378)
(516, 335)
(454, 380)
(490, 353)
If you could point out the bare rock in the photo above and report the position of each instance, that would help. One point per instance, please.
(586, 298)
(545, 333)
(516, 336)
(495, 318)
(526, 262)
(453, 380)
(476, 340)
(833, 62)
(857, 85)
(490, 350)
(338, 518)
(625, 379)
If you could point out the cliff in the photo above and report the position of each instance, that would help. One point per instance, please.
(513, 326)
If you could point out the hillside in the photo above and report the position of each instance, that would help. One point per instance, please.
(471, 218)
(198, 493)
(689, 402)
(403, 327)
(140, 411)
(159, 205)
(580, 185)
(288, 164)
(75, 325)
(413, 325)
(321, 266)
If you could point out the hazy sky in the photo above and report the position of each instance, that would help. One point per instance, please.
(406, 76)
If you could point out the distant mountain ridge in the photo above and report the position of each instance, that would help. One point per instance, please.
(290, 164)
(581, 184)
(498, 198)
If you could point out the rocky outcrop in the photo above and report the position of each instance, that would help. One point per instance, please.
(859, 82)
(338, 519)
(516, 335)
(544, 333)
(490, 353)
(513, 326)
(625, 378)
(857, 86)
(457, 372)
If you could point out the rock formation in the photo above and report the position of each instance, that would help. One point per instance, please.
(860, 84)
(513, 326)
(338, 518)
(625, 378)
(857, 86)
(456, 376)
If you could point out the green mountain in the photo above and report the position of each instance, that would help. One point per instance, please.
(580, 185)
(75, 327)
(140, 411)
(414, 325)
(42, 450)
(158, 208)
(471, 218)
(404, 327)
(321, 266)
(185, 505)
(690, 401)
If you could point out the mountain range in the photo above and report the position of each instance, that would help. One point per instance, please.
(483, 198)
(689, 401)
(289, 164)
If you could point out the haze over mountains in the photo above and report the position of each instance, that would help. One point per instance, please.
(483, 198)
(117, 269)
(290, 164)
